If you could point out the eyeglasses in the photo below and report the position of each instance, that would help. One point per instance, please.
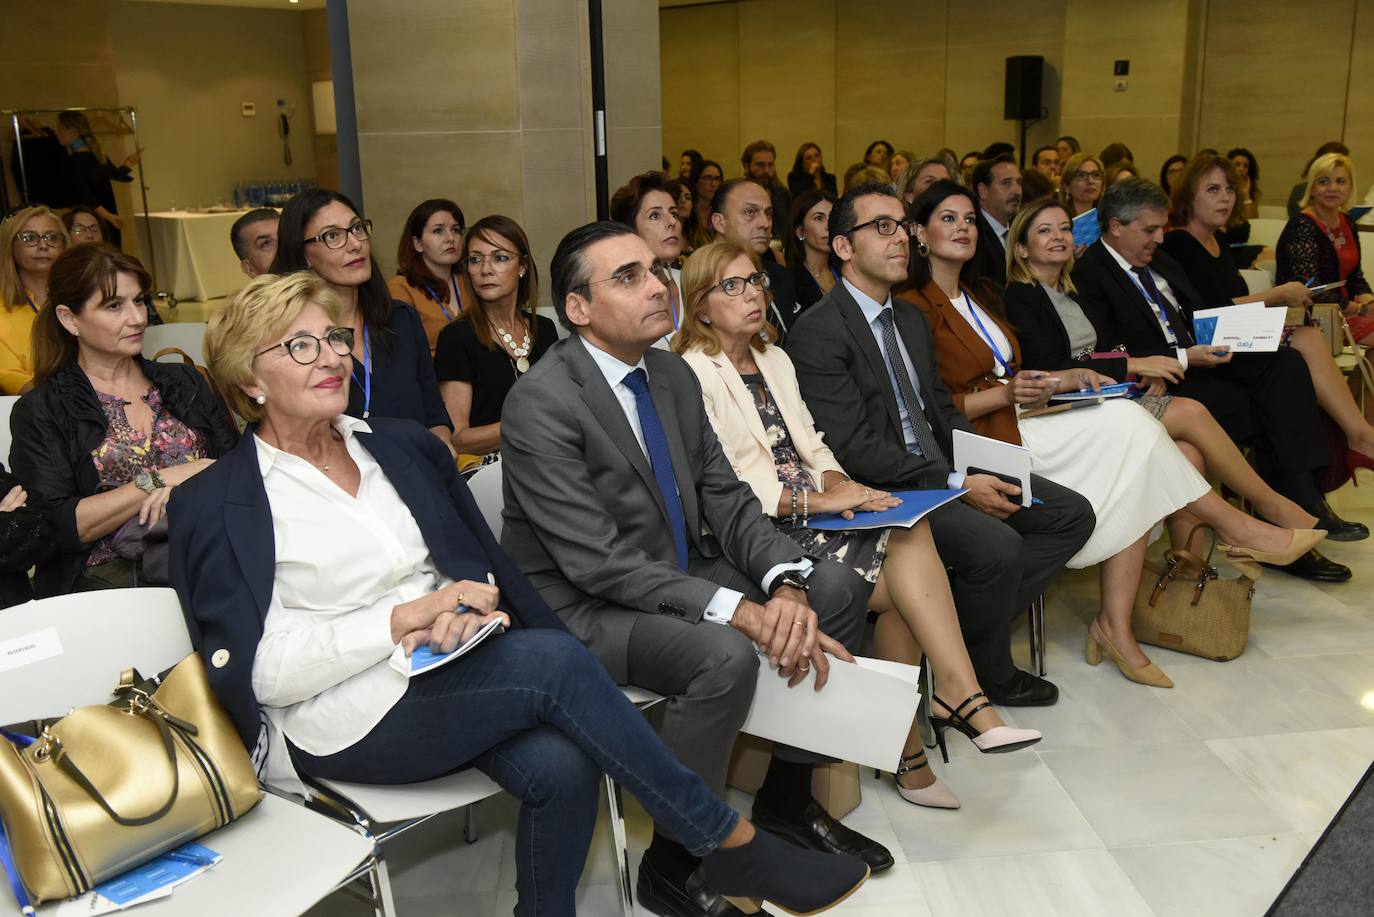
(1089, 176)
(305, 348)
(886, 226)
(78, 232)
(28, 238)
(498, 260)
(734, 286)
(632, 277)
(334, 237)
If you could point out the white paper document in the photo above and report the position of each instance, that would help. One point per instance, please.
(988, 455)
(863, 714)
(1246, 327)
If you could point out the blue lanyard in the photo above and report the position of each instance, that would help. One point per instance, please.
(982, 330)
(366, 380)
(32, 305)
(457, 300)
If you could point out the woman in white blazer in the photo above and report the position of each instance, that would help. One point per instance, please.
(751, 395)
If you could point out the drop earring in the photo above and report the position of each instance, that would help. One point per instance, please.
(922, 249)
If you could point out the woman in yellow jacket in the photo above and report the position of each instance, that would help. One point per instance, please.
(31, 240)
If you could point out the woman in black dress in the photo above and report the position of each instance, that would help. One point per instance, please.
(485, 350)
(88, 172)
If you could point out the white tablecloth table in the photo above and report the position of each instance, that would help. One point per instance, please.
(194, 257)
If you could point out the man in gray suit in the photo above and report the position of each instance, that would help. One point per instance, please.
(624, 512)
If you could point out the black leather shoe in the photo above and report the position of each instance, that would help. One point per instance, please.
(1316, 567)
(1022, 690)
(693, 899)
(815, 828)
(1338, 529)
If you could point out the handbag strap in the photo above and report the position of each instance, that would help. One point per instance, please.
(65, 763)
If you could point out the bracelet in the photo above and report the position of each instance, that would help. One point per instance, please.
(157, 479)
(806, 510)
(794, 506)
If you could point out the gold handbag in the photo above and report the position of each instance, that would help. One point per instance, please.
(1188, 608)
(107, 788)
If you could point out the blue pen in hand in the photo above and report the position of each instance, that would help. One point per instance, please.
(1036, 501)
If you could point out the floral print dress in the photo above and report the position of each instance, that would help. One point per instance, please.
(864, 551)
(126, 453)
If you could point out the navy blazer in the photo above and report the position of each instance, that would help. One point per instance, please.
(223, 556)
(403, 380)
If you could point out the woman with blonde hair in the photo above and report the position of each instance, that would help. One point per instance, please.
(920, 174)
(754, 404)
(30, 241)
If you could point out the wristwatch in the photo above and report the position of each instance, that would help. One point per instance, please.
(148, 481)
(794, 578)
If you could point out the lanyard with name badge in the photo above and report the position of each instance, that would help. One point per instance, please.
(983, 331)
(367, 373)
(457, 300)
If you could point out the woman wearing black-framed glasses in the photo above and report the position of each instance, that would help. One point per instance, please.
(393, 375)
(30, 241)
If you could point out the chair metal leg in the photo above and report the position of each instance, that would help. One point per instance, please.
(470, 823)
(381, 888)
(616, 809)
(1036, 622)
(926, 685)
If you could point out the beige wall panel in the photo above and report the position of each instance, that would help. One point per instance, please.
(630, 32)
(553, 204)
(1152, 36)
(1255, 79)
(631, 150)
(549, 50)
(419, 65)
(198, 141)
(77, 30)
(981, 37)
(318, 62)
(1359, 118)
(699, 66)
(889, 76)
(787, 78)
(481, 170)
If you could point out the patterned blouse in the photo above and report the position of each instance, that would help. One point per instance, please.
(125, 452)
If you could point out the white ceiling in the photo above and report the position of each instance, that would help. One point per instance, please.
(254, 4)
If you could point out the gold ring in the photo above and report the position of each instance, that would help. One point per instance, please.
(796, 623)
(461, 595)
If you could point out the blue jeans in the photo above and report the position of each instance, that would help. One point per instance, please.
(536, 712)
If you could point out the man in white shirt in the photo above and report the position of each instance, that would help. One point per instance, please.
(626, 515)
(997, 183)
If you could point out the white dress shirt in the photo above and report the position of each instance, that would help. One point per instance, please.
(326, 670)
(721, 608)
(1165, 290)
(872, 310)
(999, 232)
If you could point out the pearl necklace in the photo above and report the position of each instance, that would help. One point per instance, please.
(521, 352)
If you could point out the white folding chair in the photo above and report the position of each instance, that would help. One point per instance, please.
(279, 859)
(7, 403)
(187, 336)
(486, 485)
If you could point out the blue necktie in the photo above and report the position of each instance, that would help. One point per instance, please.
(656, 443)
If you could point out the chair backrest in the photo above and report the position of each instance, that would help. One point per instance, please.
(89, 638)
(1266, 232)
(187, 336)
(7, 403)
(485, 485)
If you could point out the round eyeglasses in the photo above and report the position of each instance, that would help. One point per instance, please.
(305, 348)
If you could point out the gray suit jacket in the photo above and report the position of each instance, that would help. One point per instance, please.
(583, 516)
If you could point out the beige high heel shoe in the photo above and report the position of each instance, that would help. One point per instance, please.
(936, 796)
(1245, 559)
(1097, 641)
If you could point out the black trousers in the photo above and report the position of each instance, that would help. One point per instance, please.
(1001, 565)
(1266, 401)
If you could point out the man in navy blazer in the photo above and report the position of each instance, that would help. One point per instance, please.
(222, 525)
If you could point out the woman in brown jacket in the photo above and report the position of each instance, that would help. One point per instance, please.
(1115, 454)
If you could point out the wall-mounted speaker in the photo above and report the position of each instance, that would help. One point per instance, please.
(1025, 80)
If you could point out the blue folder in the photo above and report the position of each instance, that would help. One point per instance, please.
(915, 504)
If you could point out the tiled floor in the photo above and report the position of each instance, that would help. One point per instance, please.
(1200, 800)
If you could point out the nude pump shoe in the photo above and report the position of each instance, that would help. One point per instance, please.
(1097, 641)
